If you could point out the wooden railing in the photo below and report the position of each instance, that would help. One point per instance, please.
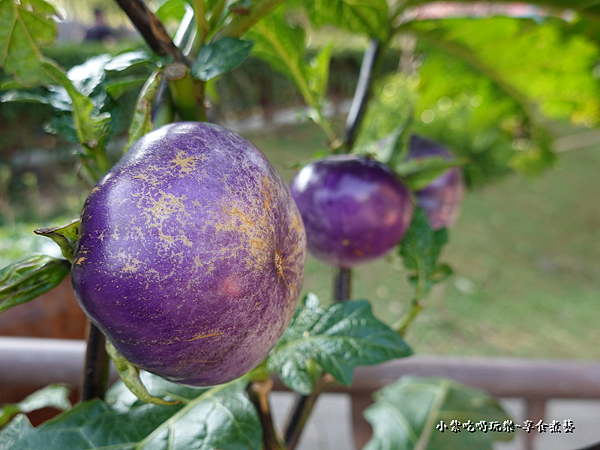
(27, 364)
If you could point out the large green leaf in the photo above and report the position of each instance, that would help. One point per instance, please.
(358, 16)
(220, 417)
(338, 338)
(282, 46)
(29, 278)
(536, 63)
(51, 396)
(219, 57)
(25, 27)
(417, 413)
(420, 249)
(479, 95)
(14, 431)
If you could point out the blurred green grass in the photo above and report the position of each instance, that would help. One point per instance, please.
(526, 257)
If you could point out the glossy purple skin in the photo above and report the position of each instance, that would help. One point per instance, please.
(354, 209)
(191, 254)
(442, 198)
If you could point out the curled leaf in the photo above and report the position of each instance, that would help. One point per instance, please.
(29, 278)
(65, 236)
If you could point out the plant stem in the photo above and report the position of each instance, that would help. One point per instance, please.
(151, 29)
(216, 12)
(258, 391)
(95, 375)
(402, 325)
(415, 308)
(343, 277)
(183, 88)
(202, 26)
(342, 281)
(368, 69)
(305, 403)
(301, 412)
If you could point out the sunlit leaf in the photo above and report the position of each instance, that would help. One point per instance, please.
(25, 27)
(282, 46)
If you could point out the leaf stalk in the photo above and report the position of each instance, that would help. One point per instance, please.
(258, 392)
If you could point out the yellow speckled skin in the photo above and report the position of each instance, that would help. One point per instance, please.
(191, 254)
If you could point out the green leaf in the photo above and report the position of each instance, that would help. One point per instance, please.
(561, 63)
(127, 60)
(420, 249)
(419, 173)
(358, 16)
(536, 157)
(92, 127)
(15, 431)
(51, 396)
(65, 236)
(171, 10)
(118, 87)
(57, 98)
(142, 116)
(388, 122)
(64, 125)
(220, 417)
(130, 375)
(338, 338)
(406, 413)
(86, 77)
(220, 57)
(392, 148)
(282, 46)
(318, 72)
(29, 278)
(26, 27)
